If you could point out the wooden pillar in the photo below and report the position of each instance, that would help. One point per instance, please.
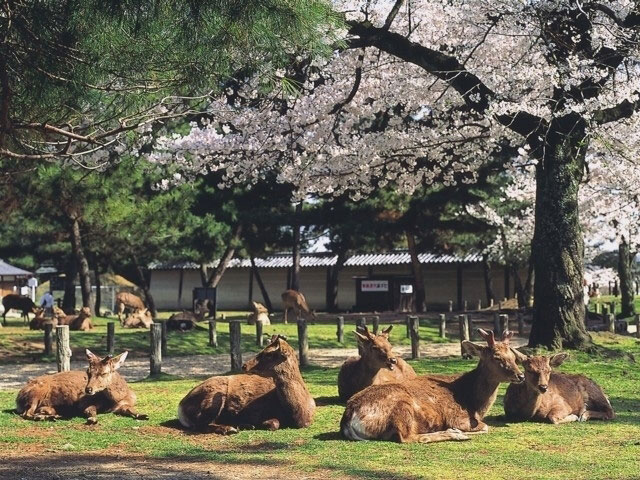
(375, 320)
(459, 286)
(111, 333)
(180, 285)
(163, 337)
(443, 325)
(235, 345)
(496, 323)
(259, 335)
(340, 329)
(611, 323)
(213, 334)
(463, 321)
(504, 324)
(450, 305)
(48, 338)
(414, 325)
(155, 357)
(479, 304)
(63, 349)
(303, 343)
(250, 286)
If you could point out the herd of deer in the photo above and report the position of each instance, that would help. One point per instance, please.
(385, 399)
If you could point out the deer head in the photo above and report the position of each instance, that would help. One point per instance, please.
(497, 357)
(376, 348)
(537, 370)
(101, 370)
(85, 312)
(272, 356)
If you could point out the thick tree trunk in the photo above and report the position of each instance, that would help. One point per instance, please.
(227, 256)
(69, 298)
(418, 278)
(143, 281)
(626, 282)
(263, 289)
(558, 247)
(295, 270)
(332, 287)
(488, 281)
(83, 264)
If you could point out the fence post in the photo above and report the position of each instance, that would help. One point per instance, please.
(414, 324)
(259, 336)
(611, 323)
(376, 324)
(464, 332)
(407, 324)
(496, 323)
(464, 306)
(63, 350)
(605, 312)
(450, 305)
(612, 308)
(213, 334)
(111, 333)
(155, 358)
(520, 318)
(48, 338)
(235, 345)
(443, 325)
(163, 336)
(361, 322)
(340, 329)
(637, 325)
(303, 343)
(479, 304)
(491, 302)
(504, 324)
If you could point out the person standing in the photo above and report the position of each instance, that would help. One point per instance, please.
(46, 302)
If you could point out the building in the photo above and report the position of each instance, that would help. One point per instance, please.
(367, 282)
(11, 278)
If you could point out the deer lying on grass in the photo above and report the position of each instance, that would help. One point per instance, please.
(259, 314)
(555, 397)
(81, 321)
(270, 394)
(139, 319)
(129, 302)
(294, 300)
(100, 389)
(185, 320)
(39, 321)
(377, 365)
(434, 408)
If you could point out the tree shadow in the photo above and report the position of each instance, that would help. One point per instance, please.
(329, 436)
(325, 401)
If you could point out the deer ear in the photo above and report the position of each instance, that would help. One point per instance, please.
(387, 330)
(91, 356)
(520, 357)
(119, 360)
(557, 359)
(472, 348)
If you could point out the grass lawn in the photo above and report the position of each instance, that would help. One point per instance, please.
(510, 450)
(19, 344)
(607, 299)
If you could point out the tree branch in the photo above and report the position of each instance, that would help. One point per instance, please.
(624, 109)
(392, 14)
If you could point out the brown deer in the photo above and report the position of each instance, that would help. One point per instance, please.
(129, 302)
(271, 393)
(259, 314)
(434, 408)
(555, 397)
(17, 302)
(39, 321)
(377, 364)
(100, 389)
(81, 321)
(294, 300)
(139, 319)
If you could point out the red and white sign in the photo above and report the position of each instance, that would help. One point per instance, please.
(374, 286)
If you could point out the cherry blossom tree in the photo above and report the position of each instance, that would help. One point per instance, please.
(422, 93)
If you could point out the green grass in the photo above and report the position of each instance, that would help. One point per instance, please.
(19, 344)
(510, 450)
(607, 299)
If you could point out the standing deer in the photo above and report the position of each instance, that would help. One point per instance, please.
(434, 408)
(294, 300)
(100, 389)
(17, 302)
(127, 301)
(376, 365)
(271, 393)
(555, 397)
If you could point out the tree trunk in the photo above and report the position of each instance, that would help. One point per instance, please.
(295, 271)
(332, 287)
(488, 281)
(626, 282)
(517, 284)
(263, 290)
(204, 275)
(528, 286)
(83, 264)
(558, 247)
(69, 298)
(144, 283)
(416, 266)
(96, 273)
(227, 256)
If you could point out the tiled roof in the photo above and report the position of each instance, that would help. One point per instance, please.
(6, 269)
(320, 260)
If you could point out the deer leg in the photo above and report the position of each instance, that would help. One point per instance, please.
(558, 417)
(91, 412)
(451, 434)
(285, 314)
(42, 413)
(221, 429)
(595, 415)
(126, 410)
(272, 424)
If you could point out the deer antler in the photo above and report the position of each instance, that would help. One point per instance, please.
(488, 336)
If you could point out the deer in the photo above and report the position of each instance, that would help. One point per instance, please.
(39, 320)
(259, 314)
(269, 394)
(555, 397)
(139, 319)
(81, 321)
(129, 302)
(294, 300)
(434, 408)
(101, 389)
(17, 302)
(377, 364)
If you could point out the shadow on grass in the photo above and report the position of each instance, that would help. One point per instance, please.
(325, 401)
(329, 436)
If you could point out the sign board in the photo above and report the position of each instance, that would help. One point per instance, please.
(406, 288)
(374, 285)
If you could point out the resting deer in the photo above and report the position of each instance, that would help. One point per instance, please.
(66, 394)
(271, 393)
(434, 408)
(81, 321)
(259, 314)
(129, 302)
(139, 319)
(39, 321)
(294, 300)
(555, 397)
(377, 364)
